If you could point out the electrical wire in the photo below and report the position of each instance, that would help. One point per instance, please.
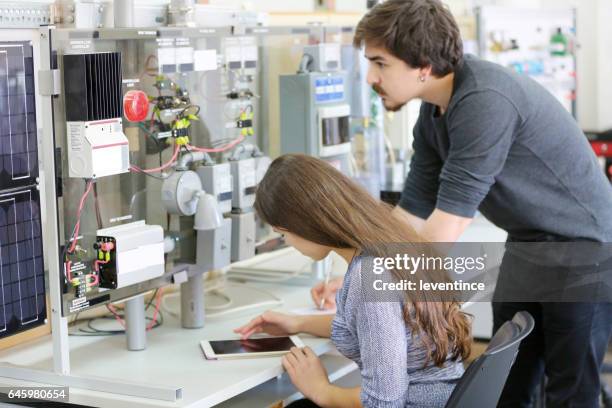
(151, 136)
(218, 149)
(159, 292)
(160, 168)
(97, 206)
(93, 331)
(161, 178)
(78, 217)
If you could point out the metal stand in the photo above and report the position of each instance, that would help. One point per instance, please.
(59, 326)
(135, 324)
(192, 302)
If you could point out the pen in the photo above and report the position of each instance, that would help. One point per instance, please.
(324, 286)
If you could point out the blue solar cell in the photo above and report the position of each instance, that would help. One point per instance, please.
(22, 284)
(18, 147)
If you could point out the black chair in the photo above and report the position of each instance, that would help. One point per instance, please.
(482, 383)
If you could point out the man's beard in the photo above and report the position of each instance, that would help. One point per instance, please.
(382, 94)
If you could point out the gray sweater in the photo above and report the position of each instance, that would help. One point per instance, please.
(506, 146)
(389, 356)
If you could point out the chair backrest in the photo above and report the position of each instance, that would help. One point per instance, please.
(482, 383)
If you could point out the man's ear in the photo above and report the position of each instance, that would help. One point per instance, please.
(425, 72)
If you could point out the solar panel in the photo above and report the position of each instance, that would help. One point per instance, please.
(22, 284)
(18, 147)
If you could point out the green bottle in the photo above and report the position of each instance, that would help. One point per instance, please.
(558, 44)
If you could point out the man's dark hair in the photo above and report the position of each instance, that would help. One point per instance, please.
(419, 32)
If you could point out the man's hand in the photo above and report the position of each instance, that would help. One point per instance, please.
(411, 220)
(439, 227)
(326, 292)
(444, 227)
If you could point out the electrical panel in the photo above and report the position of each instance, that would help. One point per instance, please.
(243, 236)
(217, 180)
(97, 146)
(244, 177)
(129, 254)
(315, 116)
(97, 149)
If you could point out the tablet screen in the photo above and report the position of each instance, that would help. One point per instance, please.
(257, 345)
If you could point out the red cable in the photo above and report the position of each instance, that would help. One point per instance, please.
(165, 166)
(78, 223)
(114, 312)
(157, 304)
(155, 313)
(218, 149)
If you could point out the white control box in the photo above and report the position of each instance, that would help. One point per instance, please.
(97, 149)
(135, 254)
(217, 180)
(245, 182)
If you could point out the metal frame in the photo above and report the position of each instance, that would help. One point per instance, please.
(48, 88)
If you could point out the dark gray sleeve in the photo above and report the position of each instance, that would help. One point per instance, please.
(481, 129)
(421, 186)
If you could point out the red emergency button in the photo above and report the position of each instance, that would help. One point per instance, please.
(135, 106)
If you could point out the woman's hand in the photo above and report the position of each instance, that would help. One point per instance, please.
(274, 323)
(307, 373)
(327, 292)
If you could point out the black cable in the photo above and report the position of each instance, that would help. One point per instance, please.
(151, 300)
(151, 136)
(94, 331)
(97, 206)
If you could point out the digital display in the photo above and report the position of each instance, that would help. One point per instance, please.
(258, 345)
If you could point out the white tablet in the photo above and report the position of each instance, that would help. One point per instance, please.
(251, 347)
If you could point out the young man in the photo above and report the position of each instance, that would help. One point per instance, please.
(490, 140)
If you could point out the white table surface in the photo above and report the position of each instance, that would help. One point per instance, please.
(173, 357)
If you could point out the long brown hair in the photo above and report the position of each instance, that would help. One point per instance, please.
(312, 199)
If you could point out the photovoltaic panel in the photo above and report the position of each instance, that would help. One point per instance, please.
(18, 146)
(22, 284)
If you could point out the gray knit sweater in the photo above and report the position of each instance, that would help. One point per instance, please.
(390, 358)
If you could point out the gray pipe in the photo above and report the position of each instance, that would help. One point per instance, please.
(192, 302)
(124, 13)
(192, 157)
(249, 149)
(135, 324)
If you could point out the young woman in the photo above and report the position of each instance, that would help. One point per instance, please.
(409, 353)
